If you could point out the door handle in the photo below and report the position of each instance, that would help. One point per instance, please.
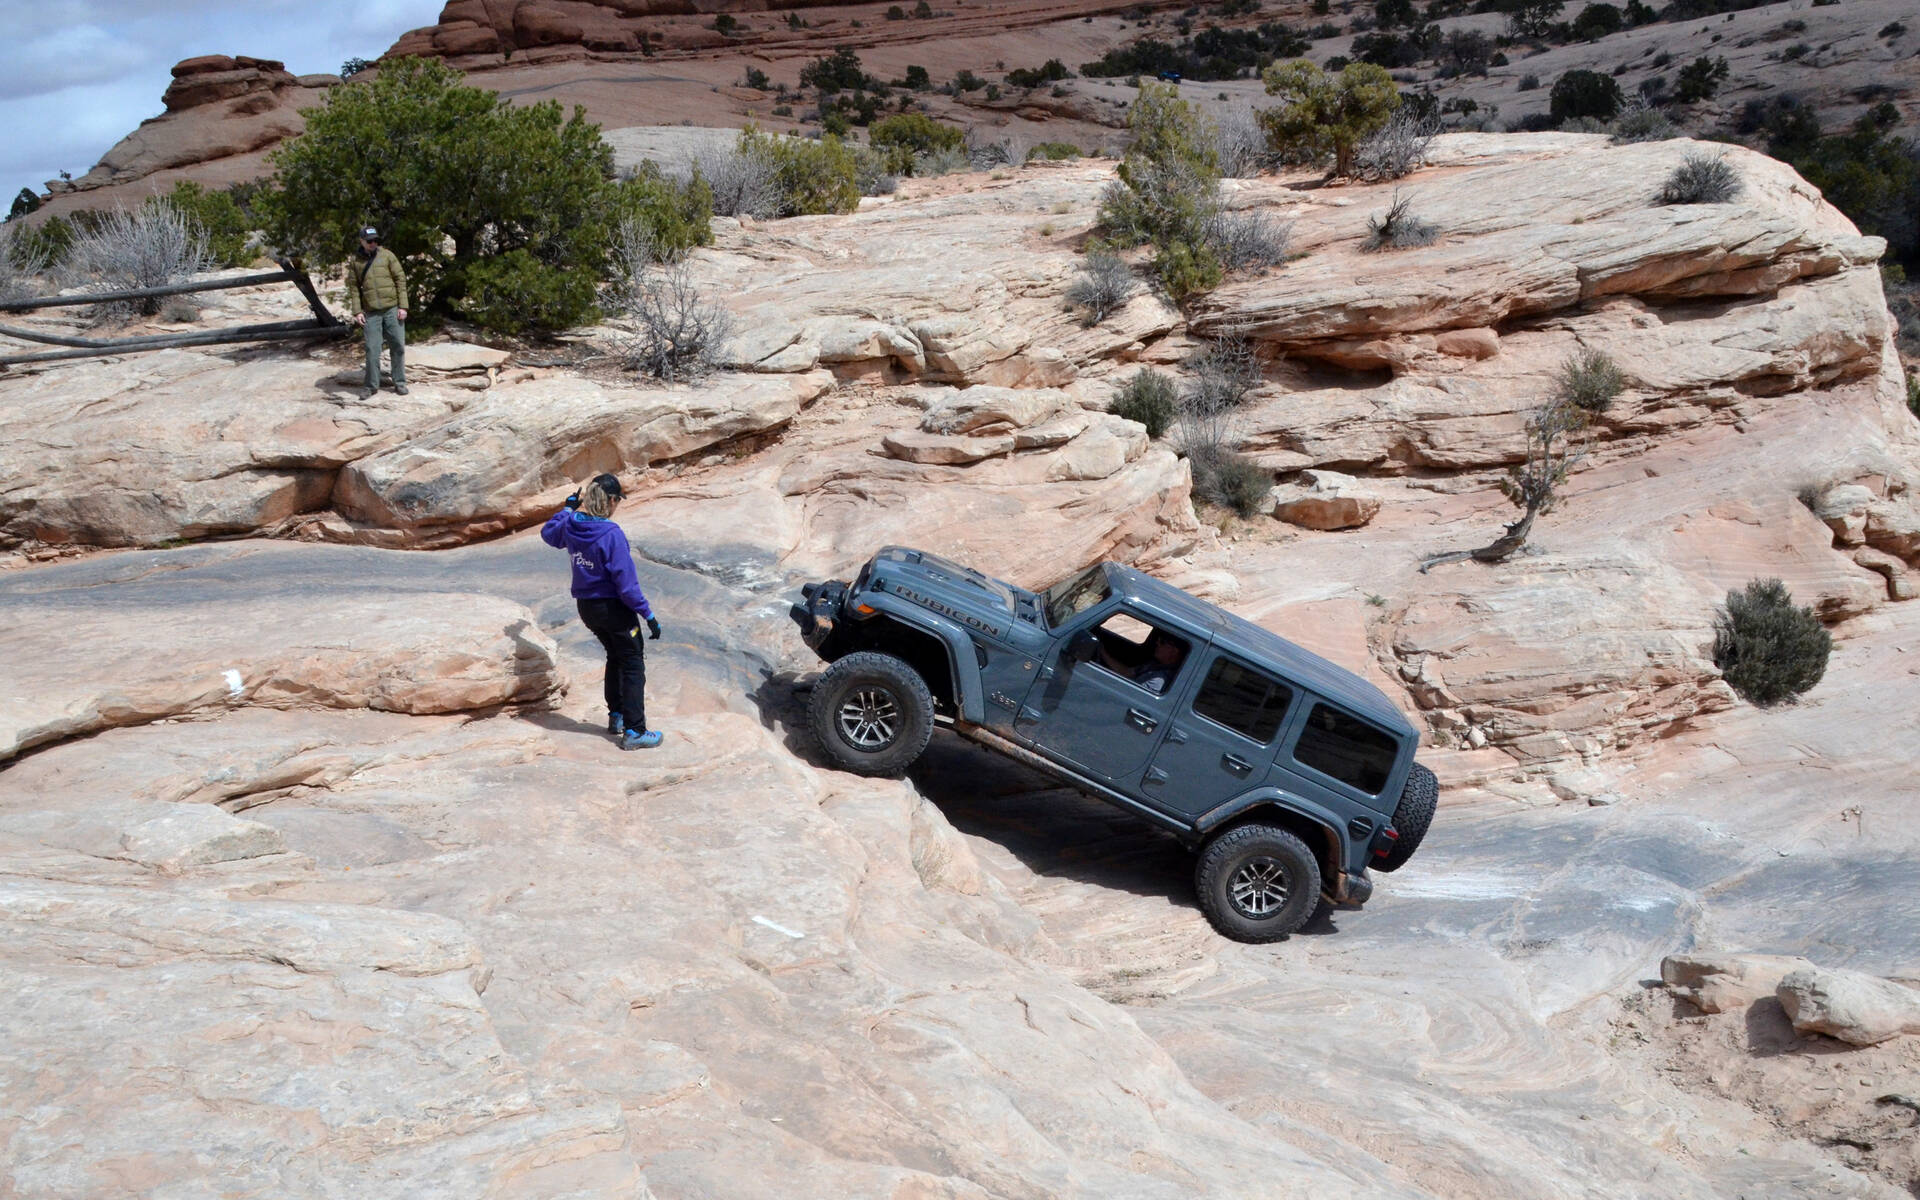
(1236, 765)
(1155, 776)
(1142, 721)
(1176, 736)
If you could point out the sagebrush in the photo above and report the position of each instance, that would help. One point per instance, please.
(1397, 148)
(674, 332)
(147, 247)
(23, 263)
(1229, 479)
(1590, 380)
(1249, 241)
(1702, 179)
(1103, 284)
(1768, 649)
(1399, 228)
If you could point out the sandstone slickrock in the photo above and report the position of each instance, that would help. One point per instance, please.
(500, 461)
(76, 670)
(357, 929)
(1849, 1005)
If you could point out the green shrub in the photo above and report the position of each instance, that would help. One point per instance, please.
(1053, 151)
(1597, 21)
(1767, 649)
(917, 79)
(1321, 113)
(1168, 191)
(1584, 94)
(1229, 480)
(1528, 83)
(1590, 380)
(1210, 55)
(27, 201)
(516, 292)
(463, 177)
(677, 213)
(900, 139)
(1701, 179)
(839, 71)
(1032, 77)
(218, 217)
(967, 81)
(1913, 393)
(1149, 397)
(810, 176)
(1699, 80)
(756, 79)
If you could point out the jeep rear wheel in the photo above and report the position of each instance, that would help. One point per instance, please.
(1257, 883)
(872, 713)
(1418, 800)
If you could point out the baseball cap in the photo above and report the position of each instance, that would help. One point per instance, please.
(370, 234)
(610, 485)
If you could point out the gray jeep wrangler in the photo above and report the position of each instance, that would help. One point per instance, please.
(1290, 776)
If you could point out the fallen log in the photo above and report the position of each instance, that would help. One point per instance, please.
(303, 329)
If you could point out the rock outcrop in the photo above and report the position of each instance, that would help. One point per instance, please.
(222, 115)
(1848, 1005)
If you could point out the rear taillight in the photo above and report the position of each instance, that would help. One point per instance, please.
(1384, 840)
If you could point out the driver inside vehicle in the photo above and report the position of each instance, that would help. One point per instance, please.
(1156, 672)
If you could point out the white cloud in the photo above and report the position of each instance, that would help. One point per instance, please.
(63, 58)
(76, 76)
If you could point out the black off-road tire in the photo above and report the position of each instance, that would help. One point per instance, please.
(1257, 883)
(1418, 800)
(872, 713)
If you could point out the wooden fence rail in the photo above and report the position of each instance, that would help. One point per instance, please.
(323, 324)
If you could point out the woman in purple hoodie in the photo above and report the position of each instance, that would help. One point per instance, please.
(610, 602)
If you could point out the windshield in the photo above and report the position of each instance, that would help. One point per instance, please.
(1075, 594)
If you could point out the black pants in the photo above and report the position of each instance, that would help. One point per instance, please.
(616, 626)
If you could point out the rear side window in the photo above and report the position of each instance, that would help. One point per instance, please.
(1245, 701)
(1347, 748)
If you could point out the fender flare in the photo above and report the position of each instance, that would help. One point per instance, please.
(1338, 844)
(971, 699)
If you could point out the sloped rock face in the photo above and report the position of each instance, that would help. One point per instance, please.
(217, 108)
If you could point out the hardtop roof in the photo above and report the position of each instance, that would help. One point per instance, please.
(1262, 647)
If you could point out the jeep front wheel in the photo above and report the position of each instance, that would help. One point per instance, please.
(1257, 883)
(872, 713)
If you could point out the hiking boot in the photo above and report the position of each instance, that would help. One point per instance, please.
(369, 393)
(615, 725)
(634, 739)
(399, 389)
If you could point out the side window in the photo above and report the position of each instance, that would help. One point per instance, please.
(1347, 748)
(1138, 652)
(1245, 701)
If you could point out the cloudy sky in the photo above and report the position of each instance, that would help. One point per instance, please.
(76, 76)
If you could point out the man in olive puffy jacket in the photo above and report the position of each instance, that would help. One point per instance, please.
(377, 298)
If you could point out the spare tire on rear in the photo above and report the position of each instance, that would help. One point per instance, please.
(1418, 800)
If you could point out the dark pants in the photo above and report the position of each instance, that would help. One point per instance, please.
(626, 684)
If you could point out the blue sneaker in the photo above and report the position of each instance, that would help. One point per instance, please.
(615, 725)
(635, 740)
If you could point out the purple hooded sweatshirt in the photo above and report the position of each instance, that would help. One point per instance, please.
(602, 565)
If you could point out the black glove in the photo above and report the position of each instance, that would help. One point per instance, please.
(573, 501)
(653, 628)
